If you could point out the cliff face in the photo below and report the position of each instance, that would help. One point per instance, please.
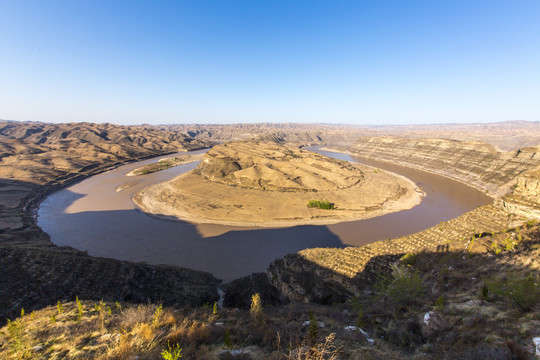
(474, 163)
(528, 186)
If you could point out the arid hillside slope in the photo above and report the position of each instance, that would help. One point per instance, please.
(37, 159)
(474, 163)
(253, 183)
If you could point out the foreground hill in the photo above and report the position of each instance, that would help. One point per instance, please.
(267, 184)
(463, 304)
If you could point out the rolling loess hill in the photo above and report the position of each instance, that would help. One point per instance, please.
(255, 183)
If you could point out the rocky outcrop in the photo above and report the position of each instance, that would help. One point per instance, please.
(301, 280)
(525, 199)
(474, 163)
(238, 293)
(506, 135)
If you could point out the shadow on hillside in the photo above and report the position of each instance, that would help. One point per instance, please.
(301, 280)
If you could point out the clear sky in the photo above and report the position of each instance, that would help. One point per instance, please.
(226, 61)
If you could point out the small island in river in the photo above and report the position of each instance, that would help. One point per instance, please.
(257, 183)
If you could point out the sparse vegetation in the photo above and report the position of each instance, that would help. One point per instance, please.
(524, 291)
(403, 287)
(326, 205)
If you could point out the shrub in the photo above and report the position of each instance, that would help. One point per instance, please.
(408, 259)
(484, 293)
(172, 352)
(17, 343)
(80, 309)
(404, 287)
(523, 291)
(326, 205)
(439, 303)
(357, 308)
(256, 310)
(227, 342)
(157, 315)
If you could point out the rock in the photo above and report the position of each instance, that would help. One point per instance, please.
(238, 292)
(233, 354)
(476, 302)
(355, 328)
(301, 280)
(320, 324)
(250, 339)
(536, 342)
(434, 323)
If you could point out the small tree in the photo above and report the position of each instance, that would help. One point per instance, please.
(80, 309)
(256, 309)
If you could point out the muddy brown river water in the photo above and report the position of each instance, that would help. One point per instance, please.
(93, 216)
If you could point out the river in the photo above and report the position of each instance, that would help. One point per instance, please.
(92, 216)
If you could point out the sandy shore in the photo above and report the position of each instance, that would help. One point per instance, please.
(195, 198)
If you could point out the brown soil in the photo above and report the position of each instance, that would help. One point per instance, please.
(267, 184)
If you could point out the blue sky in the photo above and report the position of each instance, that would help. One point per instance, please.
(358, 62)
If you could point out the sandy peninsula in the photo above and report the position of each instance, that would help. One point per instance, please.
(256, 183)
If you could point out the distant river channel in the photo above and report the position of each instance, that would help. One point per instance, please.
(92, 216)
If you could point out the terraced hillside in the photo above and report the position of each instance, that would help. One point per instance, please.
(344, 270)
(474, 163)
(327, 275)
